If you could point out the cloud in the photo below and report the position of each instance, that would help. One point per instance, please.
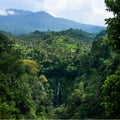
(6, 12)
(10, 12)
(3, 12)
(84, 11)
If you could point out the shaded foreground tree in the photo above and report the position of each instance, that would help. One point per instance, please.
(111, 91)
(111, 94)
(113, 28)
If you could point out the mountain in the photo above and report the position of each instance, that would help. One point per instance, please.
(20, 22)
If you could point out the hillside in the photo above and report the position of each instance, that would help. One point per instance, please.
(72, 33)
(21, 22)
(55, 75)
(67, 74)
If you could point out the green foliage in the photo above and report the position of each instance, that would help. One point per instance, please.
(113, 23)
(111, 94)
(70, 109)
(65, 58)
(56, 52)
(36, 65)
(18, 83)
(5, 43)
(110, 88)
(7, 111)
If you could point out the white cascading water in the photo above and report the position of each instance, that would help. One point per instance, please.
(58, 94)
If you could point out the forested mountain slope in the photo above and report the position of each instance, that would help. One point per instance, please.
(62, 75)
(22, 22)
(54, 75)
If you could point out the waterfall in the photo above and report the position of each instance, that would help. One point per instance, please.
(58, 94)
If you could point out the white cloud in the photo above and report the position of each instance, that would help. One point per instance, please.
(10, 12)
(3, 12)
(84, 11)
(6, 12)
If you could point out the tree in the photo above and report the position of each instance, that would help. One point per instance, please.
(113, 28)
(110, 88)
(15, 92)
(111, 94)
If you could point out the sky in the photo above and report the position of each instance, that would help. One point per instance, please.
(83, 11)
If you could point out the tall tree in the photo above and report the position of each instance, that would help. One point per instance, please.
(111, 92)
(113, 28)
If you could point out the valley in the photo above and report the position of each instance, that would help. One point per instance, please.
(55, 68)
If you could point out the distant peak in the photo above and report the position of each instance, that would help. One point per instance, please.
(43, 14)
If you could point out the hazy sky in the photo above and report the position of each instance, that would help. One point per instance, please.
(84, 11)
